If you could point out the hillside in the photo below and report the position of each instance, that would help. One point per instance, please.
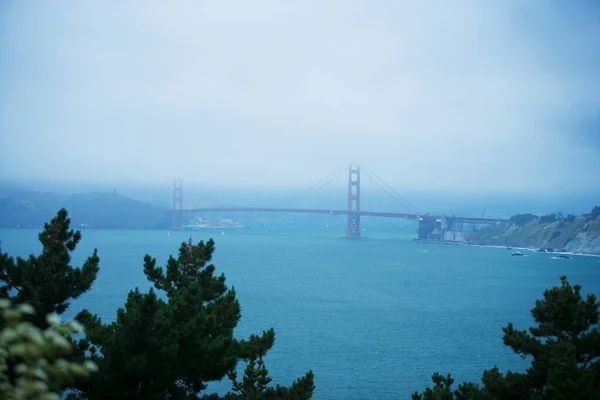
(573, 234)
(99, 210)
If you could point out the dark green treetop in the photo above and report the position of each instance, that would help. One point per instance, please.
(255, 385)
(48, 282)
(171, 347)
(44, 284)
(564, 348)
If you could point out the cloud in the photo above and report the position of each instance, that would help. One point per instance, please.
(433, 95)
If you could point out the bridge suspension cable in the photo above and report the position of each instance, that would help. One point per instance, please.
(331, 193)
(387, 189)
(342, 192)
(329, 179)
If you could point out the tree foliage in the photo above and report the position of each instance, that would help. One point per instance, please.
(564, 348)
(173, 345)
(546, 219)
(40, 371)
(595, 213)
(48, 282)
(255, 385)
(522, 219)
(168, 342)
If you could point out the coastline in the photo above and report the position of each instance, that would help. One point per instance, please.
(551, 233)
(196, 228)
(567, 253)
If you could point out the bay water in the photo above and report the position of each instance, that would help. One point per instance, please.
(373, 318)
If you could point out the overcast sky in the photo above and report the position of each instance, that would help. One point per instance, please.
(459, 95)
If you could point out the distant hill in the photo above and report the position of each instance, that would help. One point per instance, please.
(550, 232)
(99, 210)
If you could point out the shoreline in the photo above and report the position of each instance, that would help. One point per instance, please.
(188, 229)
(567, 253)
(195, 228)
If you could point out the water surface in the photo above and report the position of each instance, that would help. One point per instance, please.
(373, 318)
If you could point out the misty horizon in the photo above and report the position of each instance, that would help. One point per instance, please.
(499, 205)
(475, 98)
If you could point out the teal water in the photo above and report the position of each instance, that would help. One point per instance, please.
(373, 318)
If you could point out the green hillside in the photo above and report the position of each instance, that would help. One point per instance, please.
(99, 210)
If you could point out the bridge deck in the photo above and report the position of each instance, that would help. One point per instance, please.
(345, 212)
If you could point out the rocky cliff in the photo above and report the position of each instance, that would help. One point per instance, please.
(576, 234)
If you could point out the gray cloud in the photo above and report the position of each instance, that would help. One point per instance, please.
(462, 96)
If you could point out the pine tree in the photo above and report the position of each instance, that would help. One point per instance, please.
(136, 354)
(564, 348)
(442, 390)
(48, 282)
(172, 348)
(255, 385)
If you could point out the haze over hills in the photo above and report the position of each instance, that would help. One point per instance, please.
(148, 207)
(100, 210)
(487, 108)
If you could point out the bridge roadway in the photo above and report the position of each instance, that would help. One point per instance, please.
(449, 218)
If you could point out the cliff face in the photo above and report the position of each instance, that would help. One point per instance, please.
(582, 235)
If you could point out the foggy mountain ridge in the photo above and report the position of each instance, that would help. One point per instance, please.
(101, 210)
(150, 207)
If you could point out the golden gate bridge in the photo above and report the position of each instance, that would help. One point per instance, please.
(354, 193)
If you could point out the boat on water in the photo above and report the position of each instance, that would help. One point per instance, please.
(518, 253)
(560, 257)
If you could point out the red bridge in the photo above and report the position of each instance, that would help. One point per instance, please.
(353, 195)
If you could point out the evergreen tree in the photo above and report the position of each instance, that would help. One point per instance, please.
(48, 282)
(255, 385)
(564, 348)
(172, 348)
(442, 390)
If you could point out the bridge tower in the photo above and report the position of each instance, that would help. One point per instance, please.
(177, 204)
(353, 230)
